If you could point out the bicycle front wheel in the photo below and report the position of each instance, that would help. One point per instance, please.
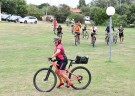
(81, 77)
(44, 80)
(93, 41)
(76, 40)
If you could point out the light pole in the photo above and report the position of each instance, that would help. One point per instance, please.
(0, 11)
(46, 12)
(110, 11)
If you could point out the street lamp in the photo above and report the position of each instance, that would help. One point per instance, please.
(110, 11)
(0, 11)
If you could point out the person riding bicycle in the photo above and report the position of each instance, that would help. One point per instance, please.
(59, 31)
(84, 28)
(55, 23)
(107, 30)
(94, 30)
(121, 35)
(79, 23)
(72, 25)
(61, 58)
(77, 30)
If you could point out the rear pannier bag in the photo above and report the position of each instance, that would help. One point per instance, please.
(81, 59)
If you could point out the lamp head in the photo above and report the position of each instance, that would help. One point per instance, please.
(110, 11)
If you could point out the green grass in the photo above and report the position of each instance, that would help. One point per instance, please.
(24, 49)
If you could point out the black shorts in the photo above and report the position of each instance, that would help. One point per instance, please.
(121, 35)
(93, 34)
(77, 33)
(84, 29)
(62, 64)
(58, 33)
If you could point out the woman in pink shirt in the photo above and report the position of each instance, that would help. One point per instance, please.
(59, 55)
(55, 23)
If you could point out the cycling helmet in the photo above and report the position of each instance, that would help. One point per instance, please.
(57, 39)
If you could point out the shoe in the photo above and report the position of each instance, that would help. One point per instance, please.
(69, 84)
(60, 84)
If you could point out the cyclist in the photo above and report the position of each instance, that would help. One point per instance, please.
(55, 23)
(72, 25)
(107, 30)
(121, 35)
(79, 23)
(84, 28)
(94, 30)
(59, 55)
(77, 30)
(67, 21)
(59, 31)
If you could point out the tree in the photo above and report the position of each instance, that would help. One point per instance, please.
(14, 6)
(81, 3)
(131, 14)
(85, 10)
(123, 9)
(98, 15)
(34, 11)
(63, 13)
(43, 5)
(103, 3)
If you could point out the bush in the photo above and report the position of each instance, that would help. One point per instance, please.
(77, 17)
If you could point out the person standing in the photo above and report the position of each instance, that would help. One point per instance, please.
(55, 23)
(61, 58)
(121, 34)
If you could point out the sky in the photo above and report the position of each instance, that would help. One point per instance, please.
(71, 3)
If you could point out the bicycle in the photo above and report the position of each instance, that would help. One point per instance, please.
(115, 37)
(93, 39)
(59, 35)
(54, 29)
(72, 29)
(77, 39)
(80, 76)
(107, 39)
(85, 34)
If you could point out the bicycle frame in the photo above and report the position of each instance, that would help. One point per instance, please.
(67, 71)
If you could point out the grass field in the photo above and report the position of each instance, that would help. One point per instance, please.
(24, 49)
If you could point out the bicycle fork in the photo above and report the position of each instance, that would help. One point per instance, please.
(48, 73)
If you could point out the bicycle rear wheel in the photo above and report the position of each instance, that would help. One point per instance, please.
(86, 35)
(43, 84)
(81, 77)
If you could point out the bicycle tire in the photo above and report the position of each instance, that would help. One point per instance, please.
(82, 34)
(115, 39)
(93, 41)
(107, 41)
(44, 83)
(87, 35)
(76, 85)
(76, 40)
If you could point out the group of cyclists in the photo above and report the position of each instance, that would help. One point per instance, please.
(59, 53)
(76, 29)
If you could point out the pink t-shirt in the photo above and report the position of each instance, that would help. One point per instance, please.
(55, 23)
(62, 53)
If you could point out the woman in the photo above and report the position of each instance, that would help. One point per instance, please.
(121, 34)
(59, 31)
(59, 55)
(94, 30)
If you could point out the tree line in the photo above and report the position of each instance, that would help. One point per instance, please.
(96, 9)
